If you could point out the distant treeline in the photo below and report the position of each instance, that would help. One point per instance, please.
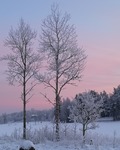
(111, 108)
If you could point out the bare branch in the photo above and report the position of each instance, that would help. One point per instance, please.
(45, 80)
(30, 89)
(27, 100)
(45, 96)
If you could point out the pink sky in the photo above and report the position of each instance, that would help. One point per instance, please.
(98, 29)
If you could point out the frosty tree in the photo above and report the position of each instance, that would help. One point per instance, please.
(86, 110)
(65, 60)
(23, 63)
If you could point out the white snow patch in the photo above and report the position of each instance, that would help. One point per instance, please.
(26, 144)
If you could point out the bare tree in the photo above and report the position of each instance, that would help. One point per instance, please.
(65, 60)
(23, 63)
(86, 110)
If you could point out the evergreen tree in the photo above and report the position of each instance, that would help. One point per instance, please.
(65, 112)
(115, 102)
(106, 104)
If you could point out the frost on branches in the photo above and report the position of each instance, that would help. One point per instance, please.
(86, 110)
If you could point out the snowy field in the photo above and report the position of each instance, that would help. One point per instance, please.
(105, 137)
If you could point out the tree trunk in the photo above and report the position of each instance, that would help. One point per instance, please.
(24, 107)
(24, 120)
(57, 117)
(84, 134)
(57, 112)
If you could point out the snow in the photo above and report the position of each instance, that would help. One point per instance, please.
(108, 128)
(54, 146)
(26, 144)
(107, 131)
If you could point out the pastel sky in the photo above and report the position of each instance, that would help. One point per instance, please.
(98, 28)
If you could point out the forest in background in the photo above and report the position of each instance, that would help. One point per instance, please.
(111, 108)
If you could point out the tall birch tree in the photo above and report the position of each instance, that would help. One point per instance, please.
(65, 60)
(23, 63)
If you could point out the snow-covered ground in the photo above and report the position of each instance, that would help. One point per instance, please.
(105, 137)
